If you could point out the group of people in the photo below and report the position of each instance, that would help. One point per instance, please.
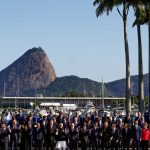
(61, 131)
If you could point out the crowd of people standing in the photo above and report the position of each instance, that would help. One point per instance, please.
(26, 132)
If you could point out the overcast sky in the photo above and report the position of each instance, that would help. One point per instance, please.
(75, 40)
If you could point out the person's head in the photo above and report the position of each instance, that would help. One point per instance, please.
(25, 127)
(45, 117)
(54, 119)
(129, 114)
(51, 122)
(61, 125)
(38, 125)
(113, 126)
(115, 113)
(77, 114)
(120, 121)
(30, 118)
(126, 125)
(3, 126)
(72, 125)
(84, 124)
(64, 119)
(22, 126)
(60, 114)
(139, 114)
(145, 126)
(110, 119)
(14, 122)
(95, 124)
(96, 113)
(136, 122)
(106, 124)
(75, 119)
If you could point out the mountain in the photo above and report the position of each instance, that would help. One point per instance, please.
(32, 70)
(117, 87)
(33, 74)
(72, 86)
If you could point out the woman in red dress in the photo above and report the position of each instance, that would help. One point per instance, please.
(145, 136)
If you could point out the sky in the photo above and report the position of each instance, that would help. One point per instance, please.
(75, 40)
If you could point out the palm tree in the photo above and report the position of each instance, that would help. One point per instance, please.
(146, 3)
(140, 16)
(107, 6)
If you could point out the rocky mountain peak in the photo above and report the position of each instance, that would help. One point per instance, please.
(31, 71)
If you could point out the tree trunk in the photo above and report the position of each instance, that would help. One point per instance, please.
(128, 85)
(149, 61)
(140, 63)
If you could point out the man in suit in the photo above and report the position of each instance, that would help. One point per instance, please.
(115, 118)
(136, 135)
(61, 137)
(95, 116)
(95, 136)
(105, 134)
(73, 137)
(38, 137)
(84, 136)
(59, 118)
(115, 137)
(126, 136)
(50, 136)
(105, 118)
(14, 135)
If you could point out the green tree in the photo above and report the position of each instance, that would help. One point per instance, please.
(107, 6)
(140, 16)
(146, 3)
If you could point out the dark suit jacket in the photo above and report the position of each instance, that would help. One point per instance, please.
(116, 136)
(73, 135)
(106, 134)
(136, 133)
(95, 134)
(84, 135)
(126, 136)
(50, 136)
(38, 134)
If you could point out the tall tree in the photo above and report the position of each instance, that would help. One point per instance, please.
(107, 6)
(146, 3)
(140, 16)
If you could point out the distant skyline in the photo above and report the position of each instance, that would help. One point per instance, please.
(75, 40)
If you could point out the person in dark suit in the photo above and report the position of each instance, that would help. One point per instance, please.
(128, 119)
(73, 137)
(115, 118)
(61, 137)
(24, 145)
(30, 130)
(44, 125)
(4, 133)
(105, 118)
(136, 135)
(50, 135)
(115, 137)
(14, 135)
(95, 136)
(105, 134)
(38, 137)
(84, 136)
(126, 136)
(95, 116)
(59, 118)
